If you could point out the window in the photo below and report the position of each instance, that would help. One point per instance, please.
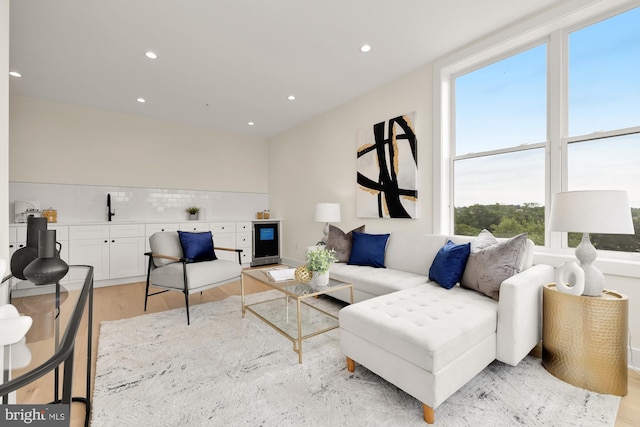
(500, 135)
(604, 89)
(521, 123)
(604, 65)
(483, 201)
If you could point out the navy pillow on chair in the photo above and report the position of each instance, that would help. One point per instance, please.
(368, 249)
(197, 246)
(449, 263)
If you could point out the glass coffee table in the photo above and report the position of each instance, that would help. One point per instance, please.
(290, 314)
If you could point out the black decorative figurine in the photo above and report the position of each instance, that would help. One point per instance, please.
(23, 256)
(48, 268)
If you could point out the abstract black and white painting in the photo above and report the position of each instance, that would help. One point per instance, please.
(388, 169)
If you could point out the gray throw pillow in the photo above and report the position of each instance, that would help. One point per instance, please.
(487, 268)
(341, 242)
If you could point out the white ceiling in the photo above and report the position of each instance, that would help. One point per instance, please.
(222, 63)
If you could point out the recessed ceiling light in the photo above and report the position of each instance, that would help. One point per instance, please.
(15, 74)
(365, 48)
(250, 123)
(291, 97)
(141, 100)
(150, 55)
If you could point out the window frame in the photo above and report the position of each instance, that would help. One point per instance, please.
(553, 28)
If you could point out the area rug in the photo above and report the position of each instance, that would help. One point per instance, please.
(223, 370)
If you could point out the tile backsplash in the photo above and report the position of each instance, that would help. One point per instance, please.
(76, 203)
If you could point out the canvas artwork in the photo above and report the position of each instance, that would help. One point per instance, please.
(388, 169)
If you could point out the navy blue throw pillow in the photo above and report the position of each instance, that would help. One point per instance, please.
(368, 249)
(449, 263)
(197, 246)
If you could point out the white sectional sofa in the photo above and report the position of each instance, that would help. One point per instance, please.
(425, 339)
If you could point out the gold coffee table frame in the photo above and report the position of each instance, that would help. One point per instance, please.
(275, 312)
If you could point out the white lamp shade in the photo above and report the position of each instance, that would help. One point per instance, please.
(595, 211)
(327, 212)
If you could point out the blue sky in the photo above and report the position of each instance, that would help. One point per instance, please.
(504, 104)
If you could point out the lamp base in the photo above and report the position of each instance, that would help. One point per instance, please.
(593, 278)
(325, 231)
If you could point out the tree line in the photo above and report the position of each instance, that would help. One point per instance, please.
(510, 220)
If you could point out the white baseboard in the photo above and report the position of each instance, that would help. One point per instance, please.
(633, 358)
(115, 282)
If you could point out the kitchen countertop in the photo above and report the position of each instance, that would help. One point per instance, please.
(146, 221)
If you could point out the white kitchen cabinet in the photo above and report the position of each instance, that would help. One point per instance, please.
(126, 257)
(126, 250)
(126, 230)
(94, 251)
(89, 245)
(13, 243)
(155, 228)
(224, 236)
(194, 227)
(244, 227)
(222, 227)
(83, 232)
(114, 251)
(244, 232)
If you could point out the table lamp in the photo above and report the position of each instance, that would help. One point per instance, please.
(327, 212)
(594, 211)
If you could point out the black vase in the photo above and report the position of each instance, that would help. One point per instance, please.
(24, 256)
(48, 268)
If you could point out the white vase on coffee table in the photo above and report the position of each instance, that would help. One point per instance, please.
(319, 280)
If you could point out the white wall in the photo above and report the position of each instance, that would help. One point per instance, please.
(60, 143)
(316, 162)
(629, 286)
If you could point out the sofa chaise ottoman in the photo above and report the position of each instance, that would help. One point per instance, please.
(429, 341)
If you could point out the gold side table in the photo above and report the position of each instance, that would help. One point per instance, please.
(584, 339)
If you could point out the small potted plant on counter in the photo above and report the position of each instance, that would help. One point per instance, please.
(193, 212)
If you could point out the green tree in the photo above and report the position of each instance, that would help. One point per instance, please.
(510, 220)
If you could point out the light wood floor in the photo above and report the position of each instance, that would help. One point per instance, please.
(119, 302)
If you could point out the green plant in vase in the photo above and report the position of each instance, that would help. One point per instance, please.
(319, 260)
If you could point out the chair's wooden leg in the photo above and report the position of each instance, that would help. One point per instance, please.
(351, 365)
(429, 416)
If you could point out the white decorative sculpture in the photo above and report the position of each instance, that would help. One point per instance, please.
(570, 278)
(13, 327)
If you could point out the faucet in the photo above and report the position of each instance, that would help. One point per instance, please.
(109, 212)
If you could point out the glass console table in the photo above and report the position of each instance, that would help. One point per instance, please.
(49, 346)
